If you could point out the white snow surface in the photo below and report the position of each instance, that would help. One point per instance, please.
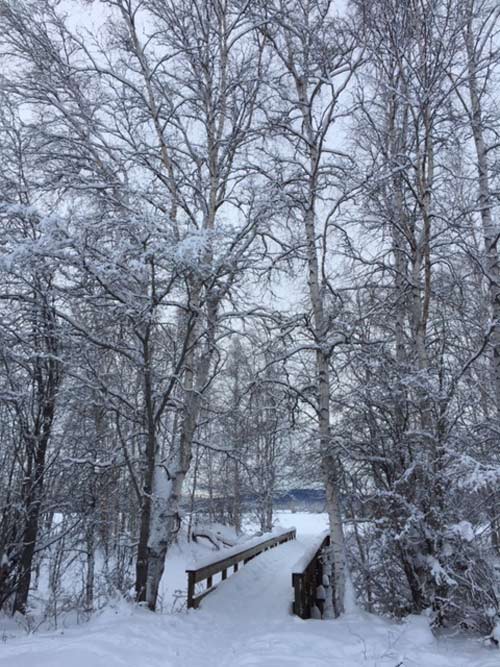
(199, 561)
(307, 554)
(245, 622)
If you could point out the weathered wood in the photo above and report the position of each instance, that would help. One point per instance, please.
(191, 589)
(195, 603)
(221, 566)
(308, 583)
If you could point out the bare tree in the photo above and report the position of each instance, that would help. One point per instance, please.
(315, 58)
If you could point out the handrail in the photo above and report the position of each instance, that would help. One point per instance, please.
(308, 583)
(222, 565)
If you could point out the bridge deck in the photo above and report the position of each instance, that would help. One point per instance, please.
(262, 589)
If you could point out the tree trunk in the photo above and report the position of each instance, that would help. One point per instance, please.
(90, 574)
(490, 238)
(165, 514)
(330, 463)
(34, 490)
(150, 462)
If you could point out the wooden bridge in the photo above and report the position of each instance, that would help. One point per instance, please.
(305, 574)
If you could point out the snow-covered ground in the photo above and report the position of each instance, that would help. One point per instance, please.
(246, 622)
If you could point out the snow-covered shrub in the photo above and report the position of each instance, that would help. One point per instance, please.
(452, 575)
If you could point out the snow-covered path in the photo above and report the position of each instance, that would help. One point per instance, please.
(246, 622)
(262, 589)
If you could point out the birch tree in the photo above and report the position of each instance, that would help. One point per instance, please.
(475, 92)
(315, 57)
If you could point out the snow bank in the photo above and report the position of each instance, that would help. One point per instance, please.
(245, 622)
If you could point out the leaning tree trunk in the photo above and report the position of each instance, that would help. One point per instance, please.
(168, 485)
(47, 376)
(33, 498)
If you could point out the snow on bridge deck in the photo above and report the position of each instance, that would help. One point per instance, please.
(263, 588)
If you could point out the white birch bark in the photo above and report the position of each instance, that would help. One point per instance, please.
(490, 227)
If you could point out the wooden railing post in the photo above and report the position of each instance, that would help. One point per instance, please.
(190, 595)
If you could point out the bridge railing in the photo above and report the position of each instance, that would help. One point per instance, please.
(308, 581)
(232, 558)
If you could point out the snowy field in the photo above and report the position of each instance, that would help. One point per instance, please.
(246, 622)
